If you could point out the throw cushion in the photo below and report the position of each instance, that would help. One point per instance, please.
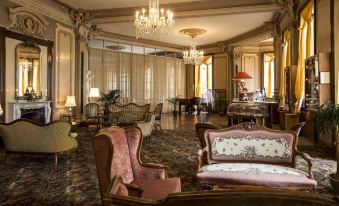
(255, 174)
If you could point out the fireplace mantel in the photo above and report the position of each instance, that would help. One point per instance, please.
(17, 106)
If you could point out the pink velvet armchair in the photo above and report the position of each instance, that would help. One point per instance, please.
(117, 154)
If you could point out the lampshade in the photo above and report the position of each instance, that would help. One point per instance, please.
(242, 75)
(1, 111)
(70, 101)
(94, 92)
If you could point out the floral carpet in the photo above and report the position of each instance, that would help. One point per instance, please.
(28, 180)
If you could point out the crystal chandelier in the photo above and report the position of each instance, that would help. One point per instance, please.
(26, 65)
(157, 23)
(193, 56)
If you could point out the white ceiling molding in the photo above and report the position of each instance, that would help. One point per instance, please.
(139, 42)
(195, 13)
(42, 7)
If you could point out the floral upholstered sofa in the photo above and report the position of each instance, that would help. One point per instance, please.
(253, 156)
(129, 113)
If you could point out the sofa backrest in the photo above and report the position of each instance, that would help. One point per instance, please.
(26, 136)
(130, 111)
(258, 145)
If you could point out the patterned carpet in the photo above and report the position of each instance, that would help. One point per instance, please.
(28, 180)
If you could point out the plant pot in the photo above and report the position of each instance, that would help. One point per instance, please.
(334, 182)
(175, 113)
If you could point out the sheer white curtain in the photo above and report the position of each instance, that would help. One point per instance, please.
(143, 79)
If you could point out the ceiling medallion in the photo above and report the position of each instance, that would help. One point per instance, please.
(157, 24)
(193, 56)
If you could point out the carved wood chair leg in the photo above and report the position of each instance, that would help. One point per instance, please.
(55, 160)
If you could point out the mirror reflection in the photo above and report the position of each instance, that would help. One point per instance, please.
(28, 71)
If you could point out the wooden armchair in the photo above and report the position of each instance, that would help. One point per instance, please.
(117, 153)
(92, 112)
(157, 113)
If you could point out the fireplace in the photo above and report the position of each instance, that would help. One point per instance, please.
(39, 111)
(35, 114)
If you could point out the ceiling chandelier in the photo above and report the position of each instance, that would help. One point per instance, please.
(157, 23)
(193, 56)
(25, 65)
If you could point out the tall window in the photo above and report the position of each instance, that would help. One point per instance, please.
(148, 84)
(306, 49)
(203, 77)
(269, 74)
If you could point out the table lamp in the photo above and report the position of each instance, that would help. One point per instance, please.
(70, 102)
(94, 92)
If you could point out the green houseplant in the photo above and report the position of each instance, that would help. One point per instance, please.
(174, 101)
(111, 97)
(326, 120)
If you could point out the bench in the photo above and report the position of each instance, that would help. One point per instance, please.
(252, 155)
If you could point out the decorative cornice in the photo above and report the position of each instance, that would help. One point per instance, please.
(42, 7)
(128, 17)
(26, 21)
(141, 42)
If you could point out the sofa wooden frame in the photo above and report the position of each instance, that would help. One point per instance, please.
(206, 152)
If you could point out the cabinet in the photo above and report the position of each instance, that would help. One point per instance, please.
(317, 81)
(317, 89)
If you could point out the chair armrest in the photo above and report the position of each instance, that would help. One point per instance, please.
(308, 159)
(150, 171)
(200, 156)
(134, 190)
(155, 166)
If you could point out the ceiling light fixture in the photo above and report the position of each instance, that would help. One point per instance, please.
(157, 23)
(193, 56)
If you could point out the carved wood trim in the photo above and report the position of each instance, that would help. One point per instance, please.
(27, 21)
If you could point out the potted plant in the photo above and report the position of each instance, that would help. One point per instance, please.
(110, 97)
(174, 101)
(327, 119)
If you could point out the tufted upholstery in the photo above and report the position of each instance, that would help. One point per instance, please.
(258, 156)
(25, 136)
(129, 113)
(117, 153)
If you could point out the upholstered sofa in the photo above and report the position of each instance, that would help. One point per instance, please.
(128, 113)
(253, 155)
(117, 154)
(24, 136)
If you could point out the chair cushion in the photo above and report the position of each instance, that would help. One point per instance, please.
(255, 174)
(158, 189)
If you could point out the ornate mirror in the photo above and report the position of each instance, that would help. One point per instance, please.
(28, 71)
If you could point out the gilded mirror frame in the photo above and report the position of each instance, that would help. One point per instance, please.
(32, 55)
